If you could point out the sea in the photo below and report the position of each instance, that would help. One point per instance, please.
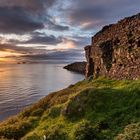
(22, 85)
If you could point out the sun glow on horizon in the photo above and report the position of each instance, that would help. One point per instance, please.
(7, 53)
(4, 54)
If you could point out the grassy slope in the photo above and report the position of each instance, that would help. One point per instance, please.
(91, 109)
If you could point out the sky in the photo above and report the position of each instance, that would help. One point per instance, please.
(59, 28)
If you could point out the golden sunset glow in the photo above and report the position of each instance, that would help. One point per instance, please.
(6, 60)
(6, 54)
(5, 57)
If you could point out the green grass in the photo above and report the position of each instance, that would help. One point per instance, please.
(100, 109)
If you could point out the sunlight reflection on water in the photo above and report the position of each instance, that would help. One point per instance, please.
(22, 85)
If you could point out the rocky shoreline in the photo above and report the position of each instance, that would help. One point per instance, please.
(79, 67)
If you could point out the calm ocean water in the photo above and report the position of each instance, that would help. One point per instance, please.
(24, 84)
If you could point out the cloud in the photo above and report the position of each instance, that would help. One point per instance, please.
(52, 25)
(48, 40)
(45, 40)
(76, 41)
(30, 53)
(17, 20)
(81, 41)
(25, 16)
(91, 14)
(69, 54)
(21, 50)
(64, 24)
(43, 54)
(38, 38)
(30, 5)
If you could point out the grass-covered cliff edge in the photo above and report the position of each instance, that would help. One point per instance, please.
(100, 109)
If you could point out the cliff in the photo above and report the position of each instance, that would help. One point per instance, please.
(79, 67)
(115, 50)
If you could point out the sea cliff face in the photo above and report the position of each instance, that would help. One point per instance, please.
(115, 50)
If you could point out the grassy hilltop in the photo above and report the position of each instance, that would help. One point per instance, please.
(100, 109)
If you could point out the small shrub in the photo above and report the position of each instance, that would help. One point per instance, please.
(102, 125)
(37, 112)
(131, 132)
(34, 136)
(85, 131)
(16, 130)
(56, 133)
(1, 138)
(54, 112)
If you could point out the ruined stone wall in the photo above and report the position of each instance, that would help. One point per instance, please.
(115, 50)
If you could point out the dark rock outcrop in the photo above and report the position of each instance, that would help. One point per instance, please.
(79, 67)
(115, 50)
